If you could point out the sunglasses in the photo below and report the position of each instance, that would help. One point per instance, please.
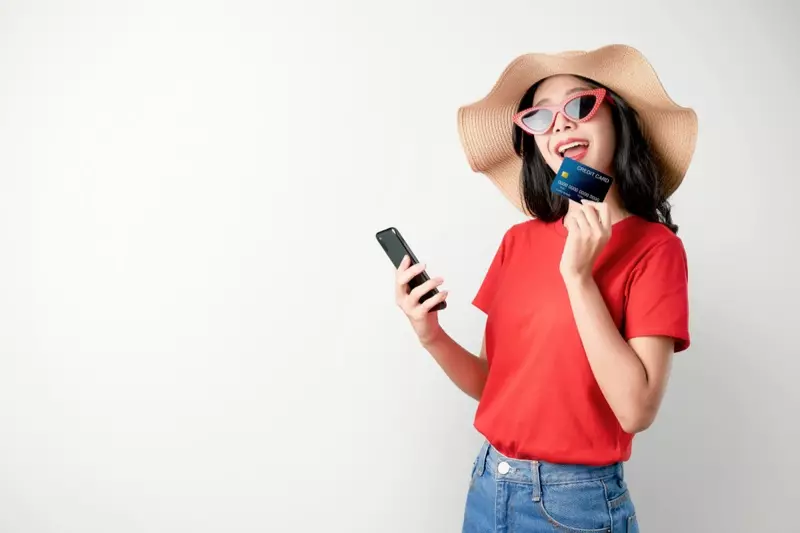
(578, 107)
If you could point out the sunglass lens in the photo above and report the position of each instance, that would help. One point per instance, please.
(580, 107)
(539, 120)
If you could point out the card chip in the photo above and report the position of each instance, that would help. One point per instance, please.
(565, 174)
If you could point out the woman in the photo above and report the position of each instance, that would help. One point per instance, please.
(586, 302)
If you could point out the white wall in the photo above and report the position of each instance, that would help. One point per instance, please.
(197, 329)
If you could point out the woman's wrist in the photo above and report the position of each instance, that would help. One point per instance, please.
(432, 338)
(577, 281)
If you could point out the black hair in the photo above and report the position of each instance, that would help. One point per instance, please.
(637, 174)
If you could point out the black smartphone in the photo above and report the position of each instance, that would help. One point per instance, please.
(396, 248)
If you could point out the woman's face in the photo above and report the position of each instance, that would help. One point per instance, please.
(594, 139)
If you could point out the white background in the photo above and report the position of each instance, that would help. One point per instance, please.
(197, 326)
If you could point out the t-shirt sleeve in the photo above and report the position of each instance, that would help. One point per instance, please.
(658, 295)
(486, 292)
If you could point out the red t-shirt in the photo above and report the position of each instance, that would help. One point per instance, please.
(541, 400)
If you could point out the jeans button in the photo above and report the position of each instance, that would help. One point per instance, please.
(503, 468)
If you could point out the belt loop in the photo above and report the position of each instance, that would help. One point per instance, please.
(537, 481)
(482, 458)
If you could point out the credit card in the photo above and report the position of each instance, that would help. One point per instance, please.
(577, 181)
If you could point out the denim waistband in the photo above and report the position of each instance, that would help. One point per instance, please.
(540, 472)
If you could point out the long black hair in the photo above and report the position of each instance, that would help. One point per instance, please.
(636, 171)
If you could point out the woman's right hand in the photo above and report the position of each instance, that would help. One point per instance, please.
(425, 323)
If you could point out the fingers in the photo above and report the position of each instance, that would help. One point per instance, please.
(433, 301)
(594, 226)
(579, 226)
(420, 310)
(597, 211)
(605, 215)
(571, 224)
(588, 223)
(405, 273)
(582, 223)
(411, 305)
(418, 292)
(409, 301)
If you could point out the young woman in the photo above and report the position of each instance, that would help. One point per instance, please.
(586, 302)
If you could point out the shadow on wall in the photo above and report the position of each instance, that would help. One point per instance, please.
(720, 436)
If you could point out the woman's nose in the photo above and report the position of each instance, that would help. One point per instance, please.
(562, 123)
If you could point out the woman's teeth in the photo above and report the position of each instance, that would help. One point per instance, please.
(564, 147)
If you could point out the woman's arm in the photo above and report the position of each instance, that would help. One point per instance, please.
(462, 367)
(633, 376)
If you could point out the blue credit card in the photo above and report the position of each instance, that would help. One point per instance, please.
(577, 182)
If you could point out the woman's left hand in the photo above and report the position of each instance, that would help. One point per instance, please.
(589, 230)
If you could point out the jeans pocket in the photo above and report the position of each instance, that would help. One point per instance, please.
(580, 507)
(633, 524)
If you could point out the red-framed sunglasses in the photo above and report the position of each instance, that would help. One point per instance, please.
(578, 107)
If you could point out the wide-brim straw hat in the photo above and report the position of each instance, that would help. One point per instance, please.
(486, 127)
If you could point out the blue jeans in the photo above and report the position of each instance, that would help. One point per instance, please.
(513, 496)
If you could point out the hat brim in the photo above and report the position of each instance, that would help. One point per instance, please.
(486, 127)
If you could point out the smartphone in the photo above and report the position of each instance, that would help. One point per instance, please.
(396, 248)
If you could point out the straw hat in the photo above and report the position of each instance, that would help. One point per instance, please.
(486, 129)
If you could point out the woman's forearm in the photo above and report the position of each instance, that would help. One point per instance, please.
(616, 367)
(467, 371)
